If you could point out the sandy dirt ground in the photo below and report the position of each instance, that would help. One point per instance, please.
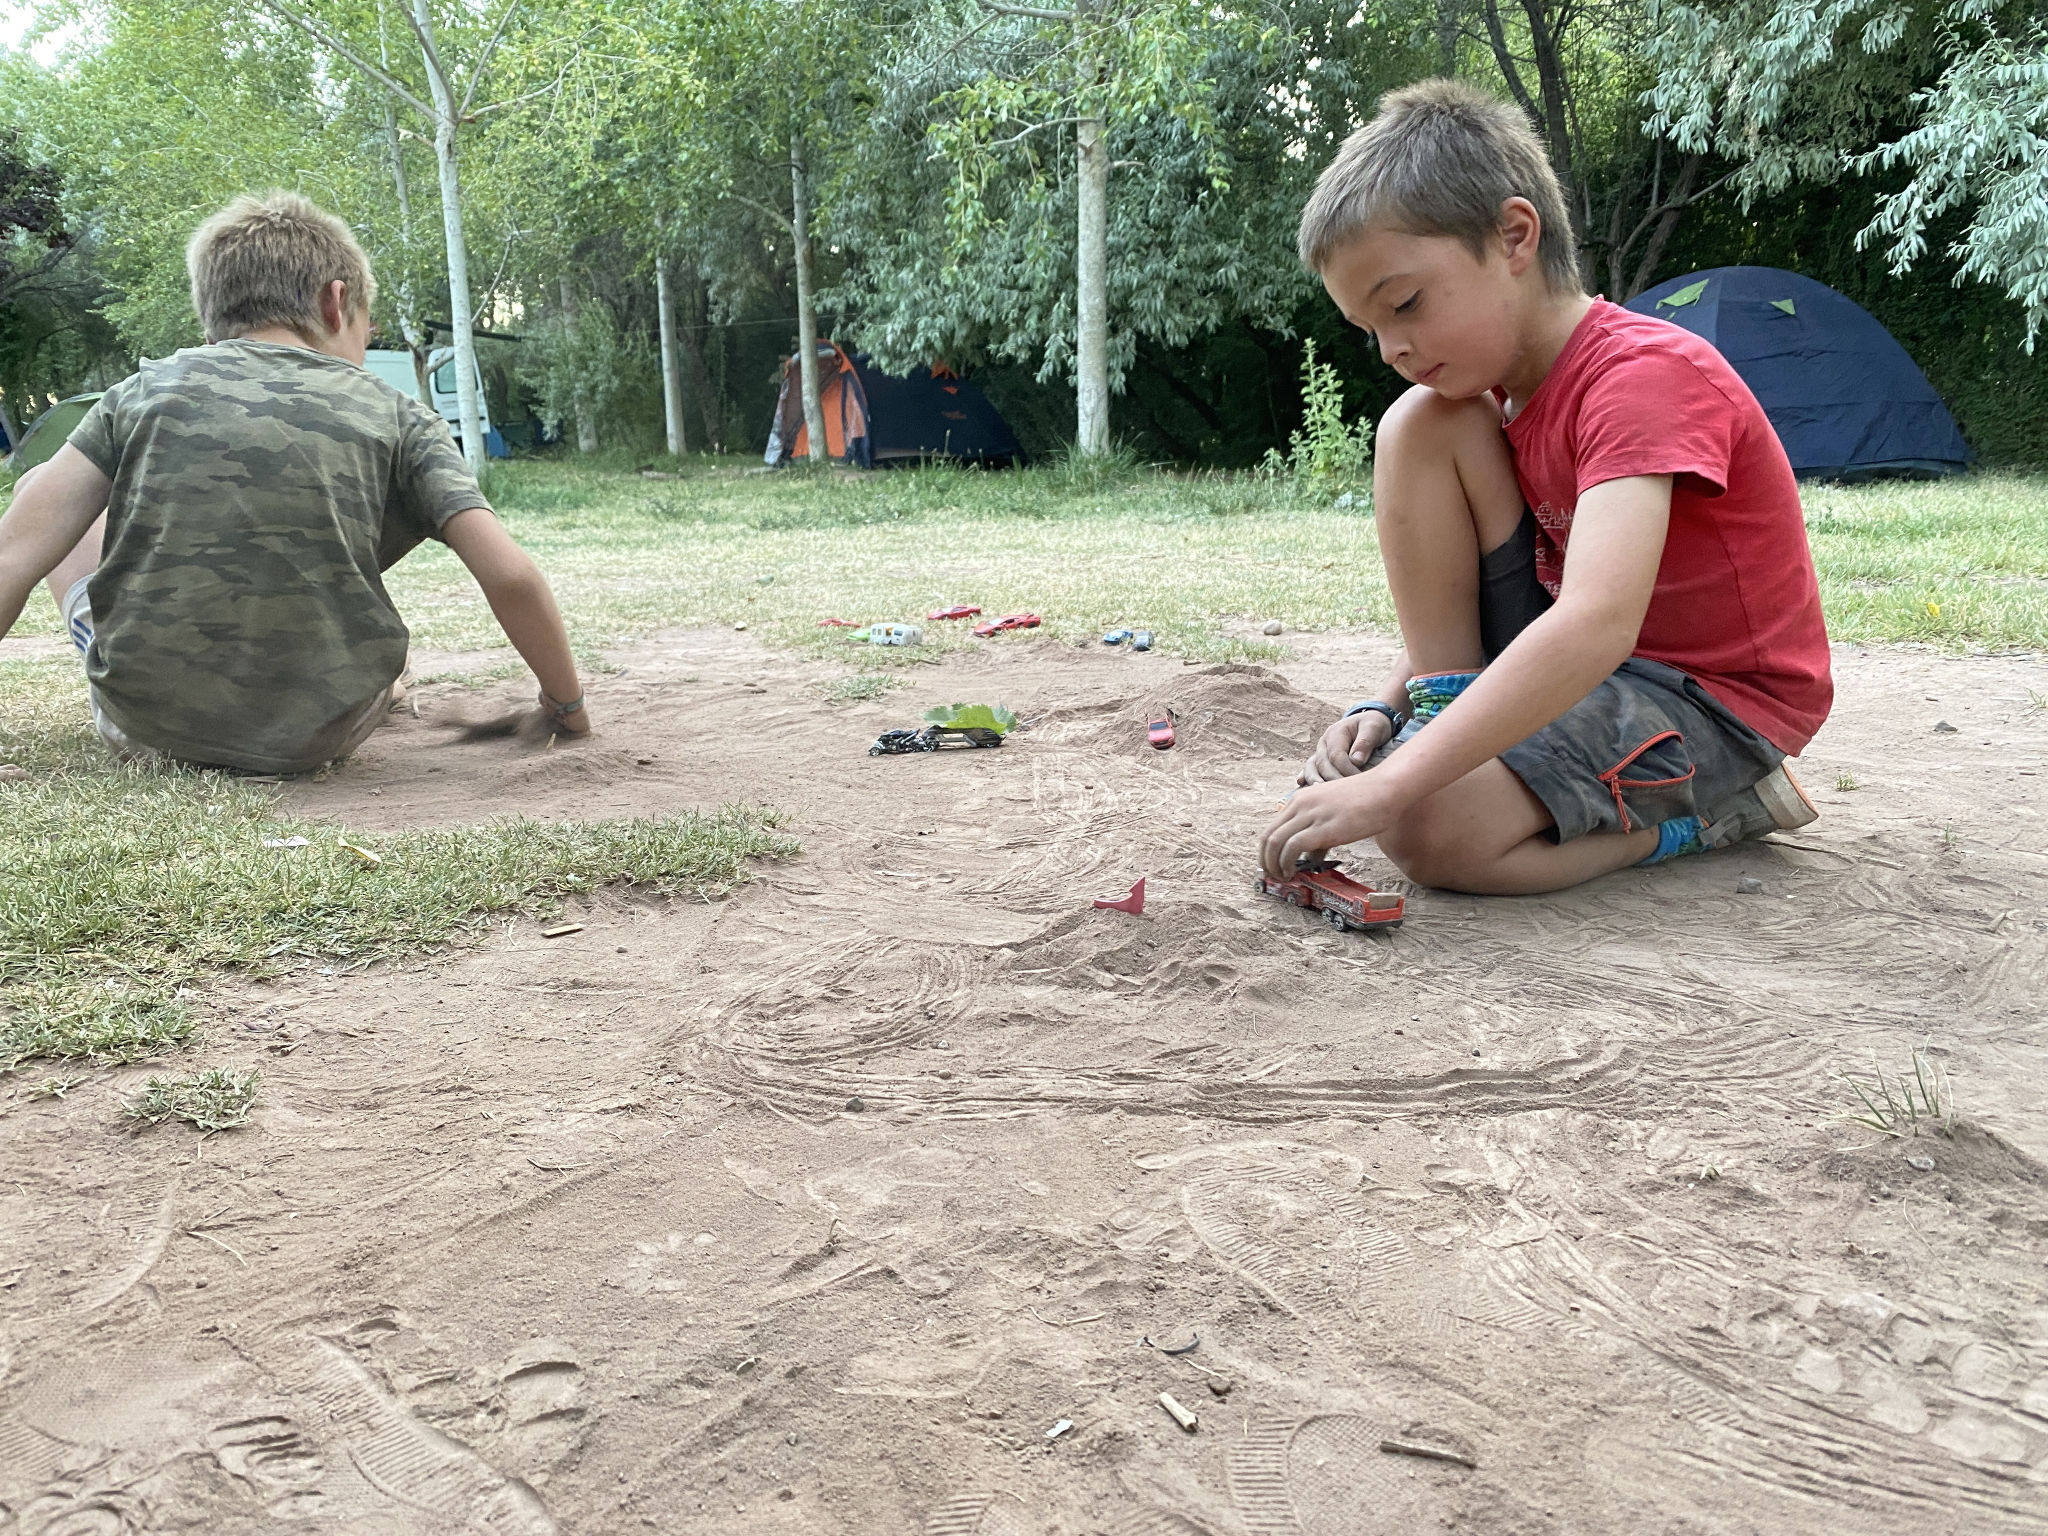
(818, 1208)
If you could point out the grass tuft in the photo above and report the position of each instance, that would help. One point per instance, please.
(1904, 1106)
(217, 1099)
(1846, 782)
(868, 685)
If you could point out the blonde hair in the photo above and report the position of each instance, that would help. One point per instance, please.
(1440, 158)
(265, 260)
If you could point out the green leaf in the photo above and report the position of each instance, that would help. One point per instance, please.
(1784, 304)
(1689, 294)
(987, 717)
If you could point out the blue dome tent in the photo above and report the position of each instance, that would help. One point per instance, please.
(1847, 401)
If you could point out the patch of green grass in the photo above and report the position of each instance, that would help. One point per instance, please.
(1904, 1106)
(125, 886)
(1952, 563)
(217, 1099)
(1845, 782)
(483, 677)
(866, 685)
(1197, 559)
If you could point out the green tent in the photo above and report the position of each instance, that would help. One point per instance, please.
(49, 432)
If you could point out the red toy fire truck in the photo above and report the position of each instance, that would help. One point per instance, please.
(1321, 886)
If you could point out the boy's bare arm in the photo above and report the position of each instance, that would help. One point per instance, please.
(524, 604)
(52, 510)
(1610, 572)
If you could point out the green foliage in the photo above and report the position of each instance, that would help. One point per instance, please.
(577, 364)
(217, 1099)
(1328, 454)
(957, 203)
(986, 717)
(1953, 92)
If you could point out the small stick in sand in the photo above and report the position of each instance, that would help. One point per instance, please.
(1427, 1452)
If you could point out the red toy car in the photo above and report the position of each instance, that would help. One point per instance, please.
(1321, 886)
(957, 611)
(1160, 732)
(1007, 621)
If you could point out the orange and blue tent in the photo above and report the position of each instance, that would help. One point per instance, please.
(876, 418)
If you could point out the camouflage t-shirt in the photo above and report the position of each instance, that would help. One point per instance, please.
(260, 491)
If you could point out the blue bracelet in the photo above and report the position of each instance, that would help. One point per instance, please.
(1395, 717)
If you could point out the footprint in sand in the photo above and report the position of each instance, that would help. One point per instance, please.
(1315, 1477)
(540, 1394)
(86, 1512)
(366, 1437)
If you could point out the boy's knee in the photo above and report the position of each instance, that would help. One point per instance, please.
(1424, 422)
(1424, 847)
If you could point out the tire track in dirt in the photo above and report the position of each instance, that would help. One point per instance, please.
(1282, 1217)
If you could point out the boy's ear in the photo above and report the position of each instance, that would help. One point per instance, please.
(334, 305)
(1521, 234)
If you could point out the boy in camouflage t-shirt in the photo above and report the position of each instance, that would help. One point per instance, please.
(230, 603)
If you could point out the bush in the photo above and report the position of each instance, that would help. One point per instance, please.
(1327, 455)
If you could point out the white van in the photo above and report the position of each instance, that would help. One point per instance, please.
(395, 368)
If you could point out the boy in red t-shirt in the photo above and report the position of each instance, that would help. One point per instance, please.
(1608, 609)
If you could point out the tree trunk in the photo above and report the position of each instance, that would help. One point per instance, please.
(579, 401)
(1447, 20)
(696, 310)
(1546, 42)
(408, 309)
(459, 316)
(1091, 250)
(671, 365)
(1667, 221)
(806, 316)
(1091, 293)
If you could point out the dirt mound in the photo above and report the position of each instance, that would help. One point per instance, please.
(1229, 710)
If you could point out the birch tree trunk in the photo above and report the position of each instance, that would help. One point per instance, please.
(1091, 270)
(1091, 294)
(408, 309)
(459, 317)
(671, 365)
(806, 316)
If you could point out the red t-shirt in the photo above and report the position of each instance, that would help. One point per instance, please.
(1737, 606)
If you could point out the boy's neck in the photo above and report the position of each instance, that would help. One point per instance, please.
(1548, 330)
(284, 336)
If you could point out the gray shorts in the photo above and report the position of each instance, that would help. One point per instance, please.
(340, 739)
(1644, 746)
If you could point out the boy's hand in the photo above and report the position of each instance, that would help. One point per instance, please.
(1326, 816)
(1346, 746)
(525, 608)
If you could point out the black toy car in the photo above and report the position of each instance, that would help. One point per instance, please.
(933, 738)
